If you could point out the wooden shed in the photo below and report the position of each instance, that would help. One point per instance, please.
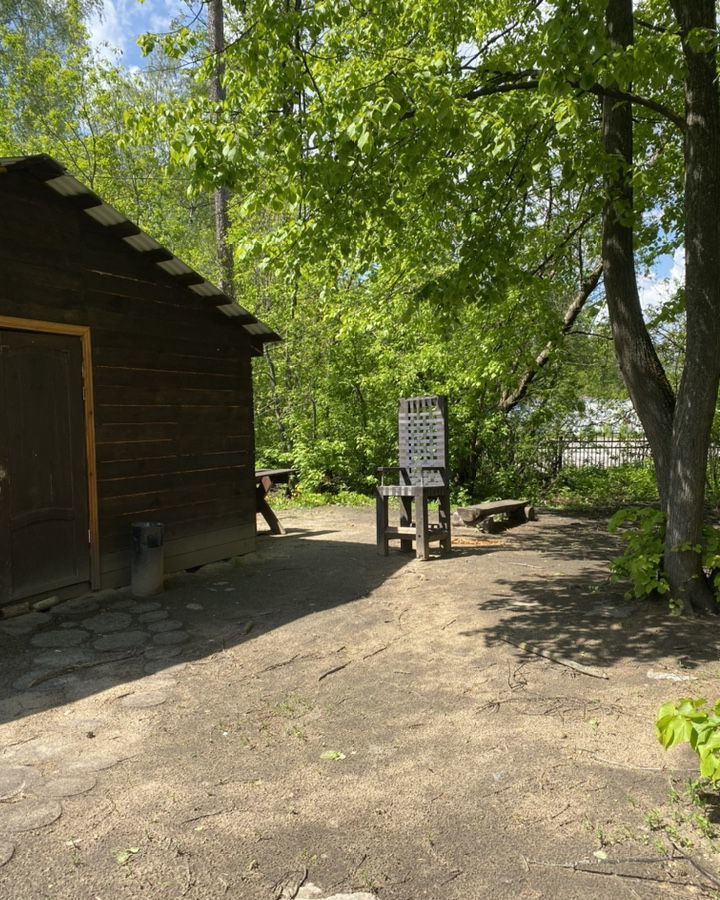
(125, 394)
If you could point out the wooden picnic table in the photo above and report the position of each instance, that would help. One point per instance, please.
(265, 479)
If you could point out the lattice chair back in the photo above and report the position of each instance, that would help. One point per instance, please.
(423, 441)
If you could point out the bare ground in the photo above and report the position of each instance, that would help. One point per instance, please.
(363, 723)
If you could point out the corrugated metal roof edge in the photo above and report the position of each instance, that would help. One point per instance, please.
(49, 170)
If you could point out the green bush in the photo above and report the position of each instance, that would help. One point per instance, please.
(304, 499)
(596, 487)
(641, 564)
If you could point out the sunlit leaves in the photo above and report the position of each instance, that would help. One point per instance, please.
(690, 721)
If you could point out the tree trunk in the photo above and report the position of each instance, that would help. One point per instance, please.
(697, 394)
(678, 429)
(642, 371)
(221, 196)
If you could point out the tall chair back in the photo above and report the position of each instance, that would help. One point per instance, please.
(423, 440)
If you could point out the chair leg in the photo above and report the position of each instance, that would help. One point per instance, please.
(422, 547)
(406, 544)
(444, 519)
(381, 517)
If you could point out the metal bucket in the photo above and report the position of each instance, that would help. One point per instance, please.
(147, 563)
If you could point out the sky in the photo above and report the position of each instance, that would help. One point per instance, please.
(120, 22)
(667, 276)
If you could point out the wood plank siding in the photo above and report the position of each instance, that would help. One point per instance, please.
(171, 379)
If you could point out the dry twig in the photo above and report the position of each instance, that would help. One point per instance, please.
(560, 660)
(333, 670)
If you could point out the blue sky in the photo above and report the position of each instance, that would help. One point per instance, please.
(121, 21)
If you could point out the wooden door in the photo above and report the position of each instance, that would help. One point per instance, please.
(44, 537)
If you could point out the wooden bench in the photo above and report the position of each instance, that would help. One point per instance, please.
(517, 511)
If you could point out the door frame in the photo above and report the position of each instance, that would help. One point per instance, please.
(82, 332)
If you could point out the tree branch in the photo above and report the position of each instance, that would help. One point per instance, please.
(615, 94)
(511, 399)
(507, 82)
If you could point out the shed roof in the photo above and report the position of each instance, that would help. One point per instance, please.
(55, 176)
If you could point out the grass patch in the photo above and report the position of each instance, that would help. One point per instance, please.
(302, 499)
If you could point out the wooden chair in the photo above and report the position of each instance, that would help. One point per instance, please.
(422, 476)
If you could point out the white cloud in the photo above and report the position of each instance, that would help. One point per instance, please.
(659, 285)
(118, 24)
(108, 26)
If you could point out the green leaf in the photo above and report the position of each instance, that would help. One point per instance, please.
(123, 856)
(332, 755)
(365, 142)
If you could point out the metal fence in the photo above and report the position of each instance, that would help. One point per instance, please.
(601, 453)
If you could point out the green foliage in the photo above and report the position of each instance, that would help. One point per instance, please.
(305, 499)
(691, 722)
(401, 236)
(641, 563)
(643, 530)
(60, 98)
(599, 488)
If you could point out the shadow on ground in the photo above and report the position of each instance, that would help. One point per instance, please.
(96, 643)
(585, 615)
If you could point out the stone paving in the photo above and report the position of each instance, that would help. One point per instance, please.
(110, 640)
(128, 637)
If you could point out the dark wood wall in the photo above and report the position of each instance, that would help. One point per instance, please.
(171, 375)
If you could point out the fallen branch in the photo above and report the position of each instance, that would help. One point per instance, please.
(622, 765)
(683, 854)
(560, 660)
(288, 887)
(333, 671)
(287, 662)
(452, 876)
(375, 652)
(582, 865)
(208, 815)
(612, 873)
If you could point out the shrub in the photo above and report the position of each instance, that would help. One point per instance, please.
(641, 563)
(599, 487)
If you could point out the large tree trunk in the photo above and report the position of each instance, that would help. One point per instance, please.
(641, 369)
(678, 430)
(221, 196)
(697, 394)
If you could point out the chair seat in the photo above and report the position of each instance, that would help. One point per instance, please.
(412, 490)
(434, 532)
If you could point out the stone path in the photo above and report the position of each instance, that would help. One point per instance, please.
(71, 643)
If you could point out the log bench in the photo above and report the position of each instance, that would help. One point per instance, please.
(517, 511)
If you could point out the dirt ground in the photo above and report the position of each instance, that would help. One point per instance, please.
(315, 714)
